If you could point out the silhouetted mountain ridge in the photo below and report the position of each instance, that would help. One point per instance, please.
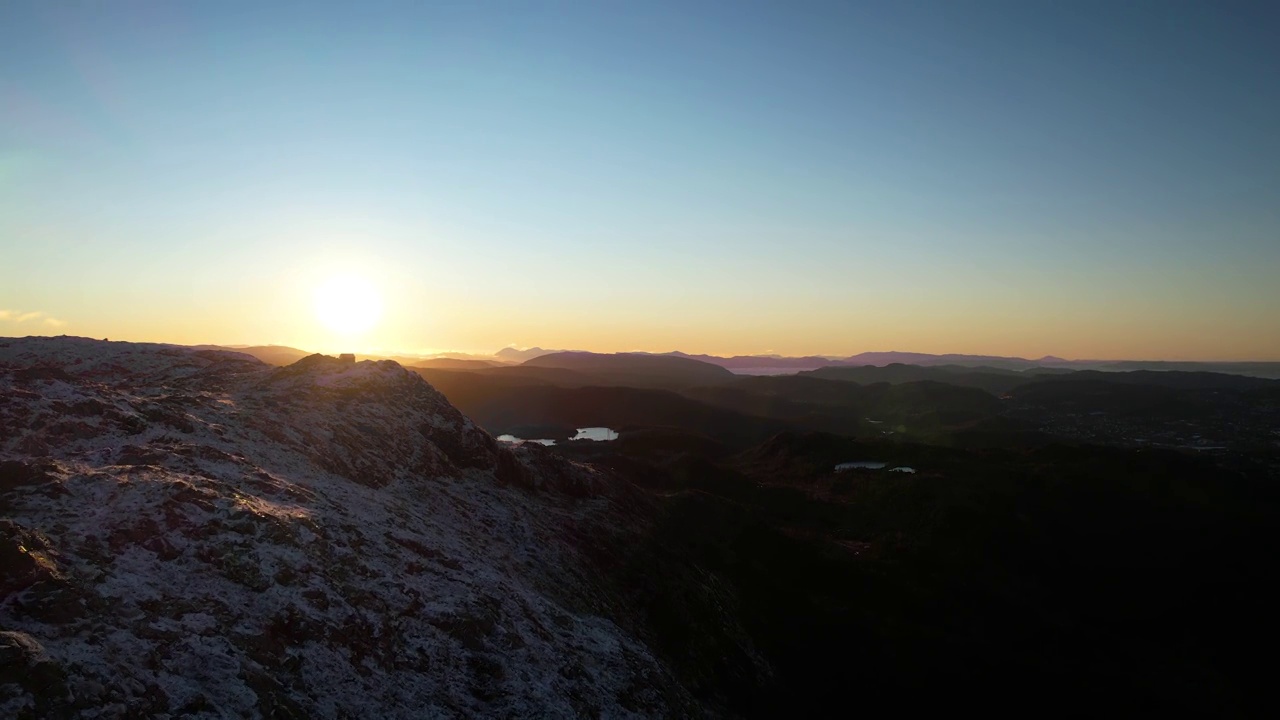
(779, 364)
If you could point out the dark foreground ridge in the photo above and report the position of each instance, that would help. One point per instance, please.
(193, 532)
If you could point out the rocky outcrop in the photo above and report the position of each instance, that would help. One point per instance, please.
(196, 533)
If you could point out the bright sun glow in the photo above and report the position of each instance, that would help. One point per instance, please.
(348, 304)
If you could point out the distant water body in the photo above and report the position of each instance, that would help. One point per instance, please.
(587, 433)
(872, 465)
(595, 433)
(517, 441)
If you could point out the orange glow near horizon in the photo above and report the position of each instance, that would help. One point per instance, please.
(343, 316)
(341, 300)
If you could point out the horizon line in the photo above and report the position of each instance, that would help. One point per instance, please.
(434, 354)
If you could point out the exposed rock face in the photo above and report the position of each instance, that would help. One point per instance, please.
(194, 532)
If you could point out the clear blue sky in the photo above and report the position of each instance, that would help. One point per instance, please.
(1088, 179)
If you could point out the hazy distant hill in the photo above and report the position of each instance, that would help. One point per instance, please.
(637, 369)
(743, 363)
(515, 355)
(269, 354)
(1253, 369)
(460, 356)
(779, 364)
(753, 362)
(748, 363)
(925, 359)
(453, 364)
(1176, 379)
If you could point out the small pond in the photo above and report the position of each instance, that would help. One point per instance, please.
(861, 464)
(586, 433)
(872, 465)
(518, 441)
(595, 433)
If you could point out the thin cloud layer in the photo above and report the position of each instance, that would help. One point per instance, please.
(19, 316)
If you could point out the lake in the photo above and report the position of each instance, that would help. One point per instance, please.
(595, 433)
(587, 433)
(872, 465)
(517, 441)
(860, 464)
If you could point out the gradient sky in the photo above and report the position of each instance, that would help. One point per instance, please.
(1087, 179)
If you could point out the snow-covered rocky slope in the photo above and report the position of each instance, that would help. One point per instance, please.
(194, 532)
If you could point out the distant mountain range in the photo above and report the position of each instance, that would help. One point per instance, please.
(782, 363)
(516, 355)
(778, 365)
(452, 363)
(771, 364)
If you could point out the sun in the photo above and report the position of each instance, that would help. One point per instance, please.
(348, 305)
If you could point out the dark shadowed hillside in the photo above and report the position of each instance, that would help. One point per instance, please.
(514, 404)
(1097, 577)
(452, 364)
(636, 369)
(1270, 370)
(921, 408)
(1208, 411)
(992, 380)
